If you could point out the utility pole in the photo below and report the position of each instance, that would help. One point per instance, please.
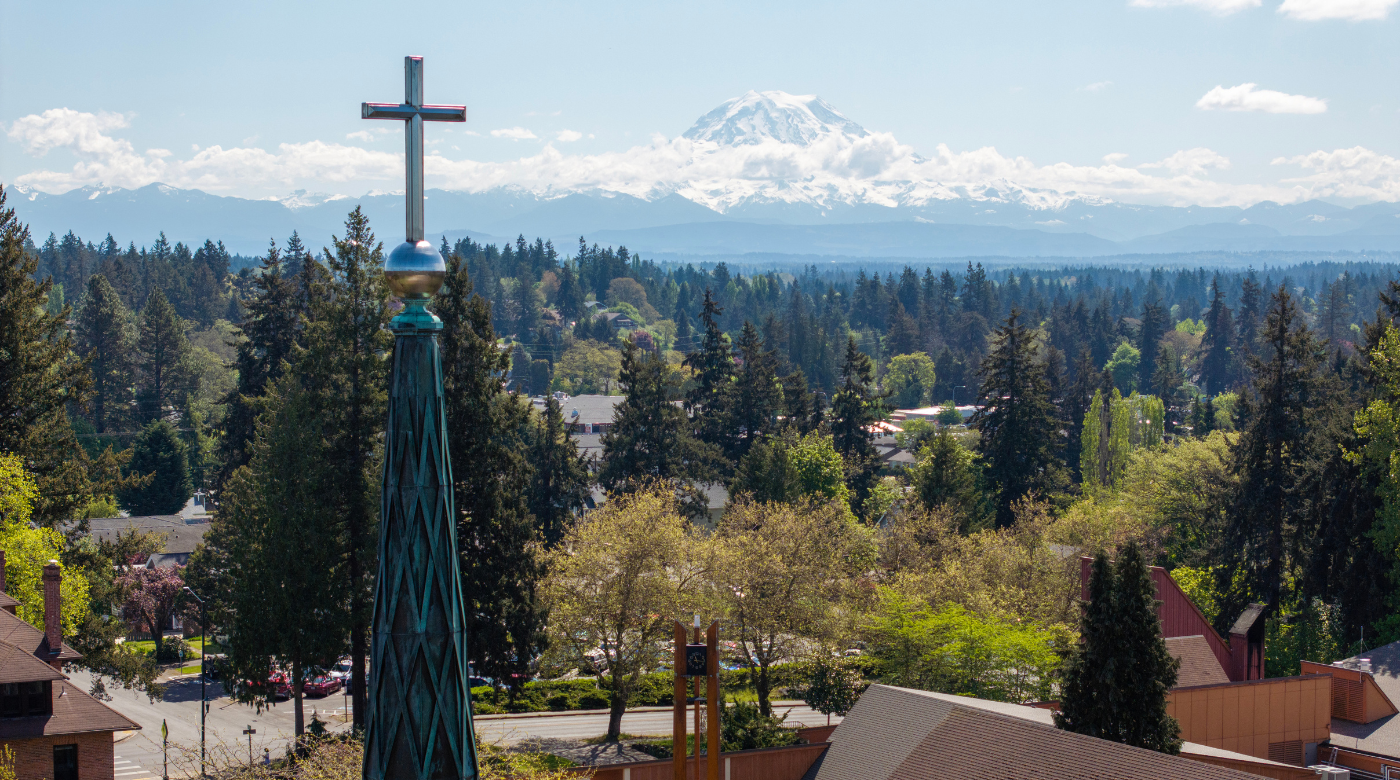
(203, 676)
(250, 731)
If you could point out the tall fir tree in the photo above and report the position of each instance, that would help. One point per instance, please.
(649, 439)
(561, 479)
(710, 400)
(160, 453)
(164, 375)
(757, 392)
(39, 380)
(1020, 435)
(1218, 344)
(487, 432)
(855, 408)
(1155, 321)
(1281, 416)
(1250, 316)
(343, 368)
(1117, 680)
(105, 340)
(269, 332)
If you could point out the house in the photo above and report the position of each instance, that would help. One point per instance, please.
(902, 734)
(55, 729)
(1365, 718)
(590, 413)
(619, 320)
(181, 535)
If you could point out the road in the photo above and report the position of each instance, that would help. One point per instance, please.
(139, 755)
(509, 731)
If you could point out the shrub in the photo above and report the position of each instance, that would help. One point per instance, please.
(743, 727)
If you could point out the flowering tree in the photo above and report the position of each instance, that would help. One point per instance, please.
(152, 597)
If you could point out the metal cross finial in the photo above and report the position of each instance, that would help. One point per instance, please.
(413, 113)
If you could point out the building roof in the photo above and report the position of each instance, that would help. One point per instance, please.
(181, 535)
(16, 666)
(591, 408)
(1252, 614)
(74, 712)
(902, 734)
(1199, 666)
(6, 600)
(30, 639)
(1379, 736)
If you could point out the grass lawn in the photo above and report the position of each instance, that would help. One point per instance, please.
(147, 646)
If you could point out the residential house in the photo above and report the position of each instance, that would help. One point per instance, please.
(56, 730)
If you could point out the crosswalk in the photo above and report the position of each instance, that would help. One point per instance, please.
(123, 769)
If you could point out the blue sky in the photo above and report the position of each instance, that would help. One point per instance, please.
(1053, 83)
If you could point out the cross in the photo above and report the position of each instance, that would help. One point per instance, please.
(413, 114)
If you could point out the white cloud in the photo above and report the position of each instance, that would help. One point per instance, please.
(363, 135)
(1096, 86)
(834, 168)
(1246, 97)
(514, 133)
(1349, 10)
(1221, 7)
(1357, 173)
(568, 135)
(1193, 162)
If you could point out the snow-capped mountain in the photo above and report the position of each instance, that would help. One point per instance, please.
(737, 180)
(772, 116)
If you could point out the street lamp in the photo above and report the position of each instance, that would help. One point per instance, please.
(203, 672)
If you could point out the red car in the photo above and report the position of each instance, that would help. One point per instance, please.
(281, 686)
(324, 685)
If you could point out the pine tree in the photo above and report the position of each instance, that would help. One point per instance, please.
(269, 330)
(159, 452)
(561, 478)
(1283, 414)
(649, 439)
(104, 340)
(902, 337)
(1250, 315)
(1218, 344)
(757, 392)
(1020, 435)
(164, 376)
(488, 440)
(854, 410)
(945, 477)
(1155, 321)
(1116, 682)
(344, 370)
(710, 401)
(38, 381)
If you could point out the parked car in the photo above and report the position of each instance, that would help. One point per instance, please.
(281, 686)
(341, 669)
(477, 682)
(323, 685)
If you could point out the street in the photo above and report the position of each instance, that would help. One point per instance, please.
(585, 725)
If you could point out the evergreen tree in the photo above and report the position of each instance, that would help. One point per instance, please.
(855, 408)
(159, 452)
(38, 381)
(757, 392)
(561, 477)
(709, 402)
(1117, 680)
(1218, 344)
(1155, 321)
(649, 439)
(344, 369)
(488, 440)
(1283, 414)
(267, 560)
(164, 376)
(945, 476)
(1250, 315)
(1020, 434)
(269, 330)
(104, 340)
(903, 335)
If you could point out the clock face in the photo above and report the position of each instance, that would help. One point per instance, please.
(696, 661)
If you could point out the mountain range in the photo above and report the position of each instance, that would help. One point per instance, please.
(765, 174)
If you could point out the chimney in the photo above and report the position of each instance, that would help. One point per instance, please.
(53, 618)
(2, 571)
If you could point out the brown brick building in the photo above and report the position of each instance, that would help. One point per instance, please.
(56, 730)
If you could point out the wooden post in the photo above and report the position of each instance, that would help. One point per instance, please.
(678, 720)
(699, 772)
(712, 701)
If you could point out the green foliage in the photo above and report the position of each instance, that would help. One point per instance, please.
(106, 339)
(164, 376)
(28, 549)
(855, 408)
(909, 380)
(742, 726)
(158, 451)
(1116, 681)
(1193, 327)
(946, 476)
(951, 650)
(831, 686)
(1123, 366)
(587, 367)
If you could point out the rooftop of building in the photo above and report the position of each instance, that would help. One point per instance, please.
(30, 639)
(1383, 735)
(902, 734)
(18, 665)
(181, 535)
(74, 712)
(590, 408)
(1199, 666)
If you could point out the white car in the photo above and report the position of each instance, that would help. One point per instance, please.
(341, 669)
